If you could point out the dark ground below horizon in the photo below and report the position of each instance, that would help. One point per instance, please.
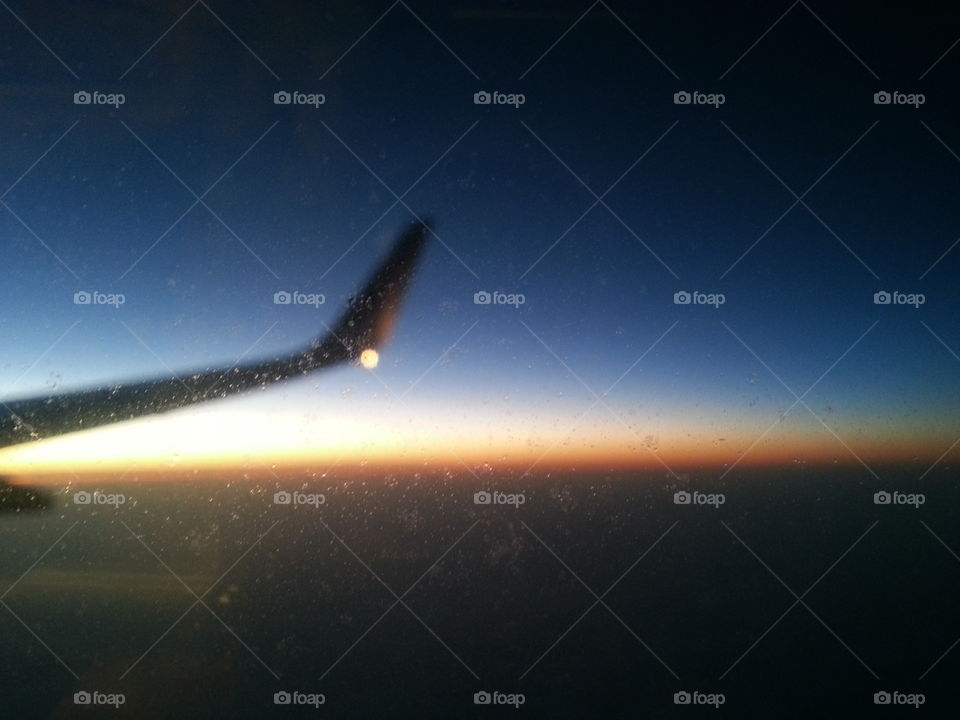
(689, 595)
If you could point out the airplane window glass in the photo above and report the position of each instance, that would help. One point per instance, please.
(404, 359)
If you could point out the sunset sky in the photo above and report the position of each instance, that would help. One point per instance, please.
(303, 199)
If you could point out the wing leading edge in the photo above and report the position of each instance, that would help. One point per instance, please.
(367, 323)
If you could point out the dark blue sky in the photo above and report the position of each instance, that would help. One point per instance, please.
(300, 196)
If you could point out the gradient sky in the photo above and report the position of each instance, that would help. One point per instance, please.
(313, 218)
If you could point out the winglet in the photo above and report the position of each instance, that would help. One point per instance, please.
(372, 314)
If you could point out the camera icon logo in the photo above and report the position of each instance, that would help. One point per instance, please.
(282, 297)
(882, 98)
(282, 98)
(282, 498)
(81, 698)
(482, 698)
(882, 698)
(82, 98)
(881, 298)
(82, 297)
(482, 98)
(682, 98)
(482, 498)
(882, 498)
(482, 298)
(682, 698)
(682, 498)
(682, 298)
(82, 498)
(282, 698)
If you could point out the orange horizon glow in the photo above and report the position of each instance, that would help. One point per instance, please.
(251, 443)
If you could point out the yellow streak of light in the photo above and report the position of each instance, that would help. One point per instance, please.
(386, 435)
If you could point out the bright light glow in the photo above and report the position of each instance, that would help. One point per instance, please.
(369, 358)
(365, 428)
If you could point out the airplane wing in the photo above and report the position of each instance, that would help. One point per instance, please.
(366, 324)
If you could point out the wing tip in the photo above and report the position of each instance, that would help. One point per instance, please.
(369, 320)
